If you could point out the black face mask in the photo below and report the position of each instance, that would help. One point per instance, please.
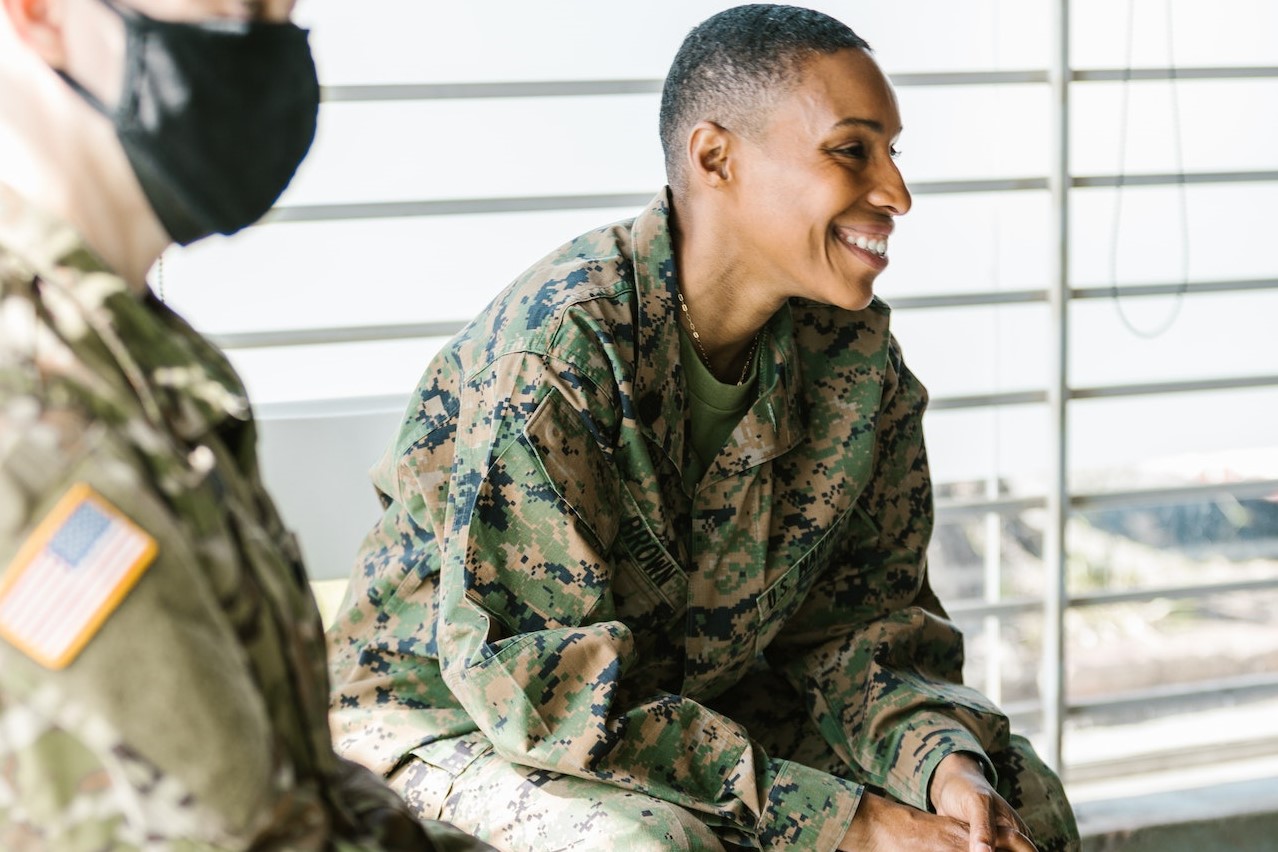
(214, 117)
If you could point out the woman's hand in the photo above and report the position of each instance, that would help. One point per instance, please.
(961, 791)
(882, 825)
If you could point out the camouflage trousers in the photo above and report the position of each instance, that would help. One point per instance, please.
(516, 808)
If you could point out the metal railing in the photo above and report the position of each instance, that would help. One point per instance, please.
(447, 328)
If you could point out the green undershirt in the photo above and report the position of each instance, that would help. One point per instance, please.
(715, 408)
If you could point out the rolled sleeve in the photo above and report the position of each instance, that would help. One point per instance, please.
(807, 809)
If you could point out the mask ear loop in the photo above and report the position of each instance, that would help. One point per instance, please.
(126, 15)
(89, 97)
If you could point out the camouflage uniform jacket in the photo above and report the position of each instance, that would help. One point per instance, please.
(589, 607)
(195, 717)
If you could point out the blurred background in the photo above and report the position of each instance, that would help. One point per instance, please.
(1087, 284)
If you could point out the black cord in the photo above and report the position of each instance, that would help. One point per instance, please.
(1178, 153)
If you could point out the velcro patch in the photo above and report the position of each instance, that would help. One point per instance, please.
(71, 573)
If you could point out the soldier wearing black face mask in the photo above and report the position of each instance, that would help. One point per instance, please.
(214, 117)
(162, 671)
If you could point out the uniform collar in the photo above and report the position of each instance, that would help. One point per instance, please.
(660, 398)
(176, 375)
(775, 421)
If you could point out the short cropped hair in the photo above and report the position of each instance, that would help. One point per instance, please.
(732, 67)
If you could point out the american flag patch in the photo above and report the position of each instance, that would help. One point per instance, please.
(69, 575)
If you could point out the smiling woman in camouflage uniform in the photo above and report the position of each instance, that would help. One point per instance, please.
(652, 569)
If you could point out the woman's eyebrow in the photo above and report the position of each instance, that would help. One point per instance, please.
(876, 126)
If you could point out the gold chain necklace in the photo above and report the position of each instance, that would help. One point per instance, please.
(701, 349)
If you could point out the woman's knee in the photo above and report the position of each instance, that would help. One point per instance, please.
(516, 807)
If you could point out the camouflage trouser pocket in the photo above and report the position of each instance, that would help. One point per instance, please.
(426, 776)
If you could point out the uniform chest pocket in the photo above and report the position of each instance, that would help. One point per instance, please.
(777, 603)
(574, 466)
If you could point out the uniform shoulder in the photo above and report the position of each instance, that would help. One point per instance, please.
(62, 399)
(536, 314)
(41, 446)
(529, 313)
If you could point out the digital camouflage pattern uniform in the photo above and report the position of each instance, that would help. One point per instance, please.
(552, 643)
(196, 715)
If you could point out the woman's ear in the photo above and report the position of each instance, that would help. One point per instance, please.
(38, 25)
(710, 148)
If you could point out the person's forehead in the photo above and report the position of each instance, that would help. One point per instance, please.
(198, 10)
(845, 84)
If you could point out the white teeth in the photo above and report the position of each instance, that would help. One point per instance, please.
(878, 247)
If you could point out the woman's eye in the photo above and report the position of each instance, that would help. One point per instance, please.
(859, 151)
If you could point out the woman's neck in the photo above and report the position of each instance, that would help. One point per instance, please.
(725, 307)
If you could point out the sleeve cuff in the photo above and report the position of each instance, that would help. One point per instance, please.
(917, 787)
(806, 809)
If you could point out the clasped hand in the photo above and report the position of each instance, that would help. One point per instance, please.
(970, 817)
